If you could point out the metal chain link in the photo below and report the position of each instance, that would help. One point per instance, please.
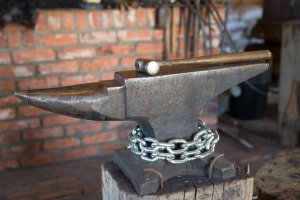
(175, 150)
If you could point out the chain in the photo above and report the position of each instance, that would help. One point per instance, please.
(175, 150)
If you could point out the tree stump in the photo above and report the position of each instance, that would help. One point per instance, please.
(115, 186)
(279, 178)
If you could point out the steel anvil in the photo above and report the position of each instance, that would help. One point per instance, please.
(165, 106)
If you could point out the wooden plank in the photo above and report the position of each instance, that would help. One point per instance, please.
(116, 186)
(290, 59)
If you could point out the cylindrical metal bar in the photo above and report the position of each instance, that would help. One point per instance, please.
(152, 67)
(252, 56)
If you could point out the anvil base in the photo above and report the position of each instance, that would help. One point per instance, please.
(148, 177)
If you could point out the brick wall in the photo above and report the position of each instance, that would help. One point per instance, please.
(68, 47)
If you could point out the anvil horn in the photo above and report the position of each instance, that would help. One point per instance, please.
(99, 101)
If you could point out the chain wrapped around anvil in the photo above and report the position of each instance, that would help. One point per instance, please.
(175, 151)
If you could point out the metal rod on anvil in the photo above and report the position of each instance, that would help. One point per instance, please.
(152, 67)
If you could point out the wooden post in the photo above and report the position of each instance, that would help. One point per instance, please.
(289, 67)
(115, 186)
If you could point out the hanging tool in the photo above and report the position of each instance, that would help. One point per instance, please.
(196, 27)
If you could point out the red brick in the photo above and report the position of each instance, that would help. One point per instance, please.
(131, 18)
(28, 38)
(81, 19)
(104, 51)
(78, 79)
(20, 149)
(30, 111)
(23, 71)
(38, 159)
(67, 19)
(118, 18)
(7, 113)
(54, 20)
(94, 19)
(135, 35)
(143, 48)
(61, 143)
(122, 49)
(151, 16)
(158, 34)
(14, 27)
(40, 20)
(14, 38)
(128, 61)
(36, 55)
(8, 164)
(82, 152)
(43, 133)
(58, 120)
(100, 64)
(106, 19)
(9, 101)
(6, 72)
(77, 52)
(7, 86)
(100, 138)
(61, 39)
(111, 147)
(107, 75)
(37, 83)
(142, 17)
(85, 127)
(9, 138)
(17, 125)
(98, 37)
(115, 49)
(4, 58)
(58, 67)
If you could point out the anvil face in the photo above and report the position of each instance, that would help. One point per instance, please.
(166, 105)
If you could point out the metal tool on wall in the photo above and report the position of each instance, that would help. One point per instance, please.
(169, 139)
(198, 19)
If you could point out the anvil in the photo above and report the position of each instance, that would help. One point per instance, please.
(165, 106)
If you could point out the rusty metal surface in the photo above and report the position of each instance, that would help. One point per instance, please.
(165, 105)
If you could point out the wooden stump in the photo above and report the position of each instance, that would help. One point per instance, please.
(279, 178)
(115, 186)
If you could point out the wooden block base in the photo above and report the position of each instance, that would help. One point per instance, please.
(115, 186)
